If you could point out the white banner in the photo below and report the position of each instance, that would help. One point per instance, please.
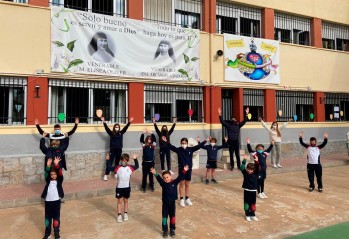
(89, 43)
(250, 59)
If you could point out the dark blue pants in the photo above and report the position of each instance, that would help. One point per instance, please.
(52, 213)
(115, 154)
(317, 169)
(168, 211)
(165, 152)
(146, 166)
(250, 200)
(234, 148)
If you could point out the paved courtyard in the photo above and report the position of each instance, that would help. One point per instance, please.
(217, 211)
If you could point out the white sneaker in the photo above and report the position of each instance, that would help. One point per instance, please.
(171, 172)
(279, 166)
(189, 203)
(263, 194)
(119, 218)
(105, 178)
(248, 219)
(125, 217)
(275, 166)
(260, 196)
(181, 203)
(254, 218)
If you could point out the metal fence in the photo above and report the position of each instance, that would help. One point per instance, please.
(13, 95)
(292, 29)
(164, 102)
(294, 105)
(336, 106)
(254, 99)
(335, 36)
(183, 13)
(17, 1)
(106, 7)
(82, 99)
(238, 19)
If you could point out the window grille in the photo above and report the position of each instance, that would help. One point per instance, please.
(237, 19)
(17, 1)
(254, 99)
(336, 106)
(82, 99)
(335, 36)
(290, 103)
(106, 7)
(173, 101)
(227, 104)
(184, 13)
(13, 93)
(291, 29)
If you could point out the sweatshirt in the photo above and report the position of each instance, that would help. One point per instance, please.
(250, 180)
(48, 181)
(212, 152)
(233, 128)
(313, 152)
(185, 156)
(169, 190)
(162, 143)
(262, 159)
(273, 133)
(117, 138)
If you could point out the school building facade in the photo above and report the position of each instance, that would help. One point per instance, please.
(314, 59)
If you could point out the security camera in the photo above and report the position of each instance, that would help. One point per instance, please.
(219, 53)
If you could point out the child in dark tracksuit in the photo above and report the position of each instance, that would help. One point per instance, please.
(212, 151)
(164, 149)
(52, 193)
(185, 157)
(261, 155)
(250, 172)
(148, 163)
(169, 197)
(313, 157)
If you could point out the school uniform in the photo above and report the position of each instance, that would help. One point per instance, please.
(212, 152)
(123, 173)
(164, 149)
(250, 185)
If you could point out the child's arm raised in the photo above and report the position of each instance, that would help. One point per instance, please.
(243, 164)
(173, 148)
(301, 140)
(270, 147)
(325, 141)
(74, 128)
(43, 146)
(136, 166)
(173, 126)
(181, 175)
(126, 126)
(248, 141)
(157, 176)
(106, 126)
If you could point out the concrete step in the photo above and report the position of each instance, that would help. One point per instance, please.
(225, 152)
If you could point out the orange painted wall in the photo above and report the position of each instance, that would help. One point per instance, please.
(135, 9)
(316, 33)
(136, 101)
(216, 102)
(238, 102)
(319, 106)
(39, 3)
(268, 23)
(37, 108)
(269, 105)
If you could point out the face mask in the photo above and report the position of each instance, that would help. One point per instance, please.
(124, 164)
(55, 147)
(260, 151)
(213, 144)
(57, 131)
(117, 129)
(274, 126)
(184, 146)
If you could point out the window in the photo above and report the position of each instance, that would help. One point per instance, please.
(173, 101)
(85, 98)
(18, 1)
(184, 13)
(336, 106)
(239, 20)
(335, 36)
(254, 99)
(13, 95)
(291, 103)
(107, 7)
(291, 29)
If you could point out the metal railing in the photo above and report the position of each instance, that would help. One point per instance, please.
(335, 36)
(164, 102)
(238, 19)
(254, 99)
(336, 106)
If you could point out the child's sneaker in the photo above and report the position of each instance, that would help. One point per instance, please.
(172, 173)
(311, 189)
(152, 189)
(279, 166)
(172, 233)
(57, 236)
(320, 190)
(254, 218)
(181, 203)
(164, 234)
(189, 203)
(260, 196)
(207, 181)
(105, 178)
(120, 218)
(275, 166)
(248, 219)
(143, 190)
(46, 237)
(125, 216)
(214, 181)
(265, 196)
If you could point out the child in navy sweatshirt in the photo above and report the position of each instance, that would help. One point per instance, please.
(250, 172)
(313, 157)
(212, 151)
(261, 155)
(52, 193)
(185, 157)
(148, 161)
(169, 197)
